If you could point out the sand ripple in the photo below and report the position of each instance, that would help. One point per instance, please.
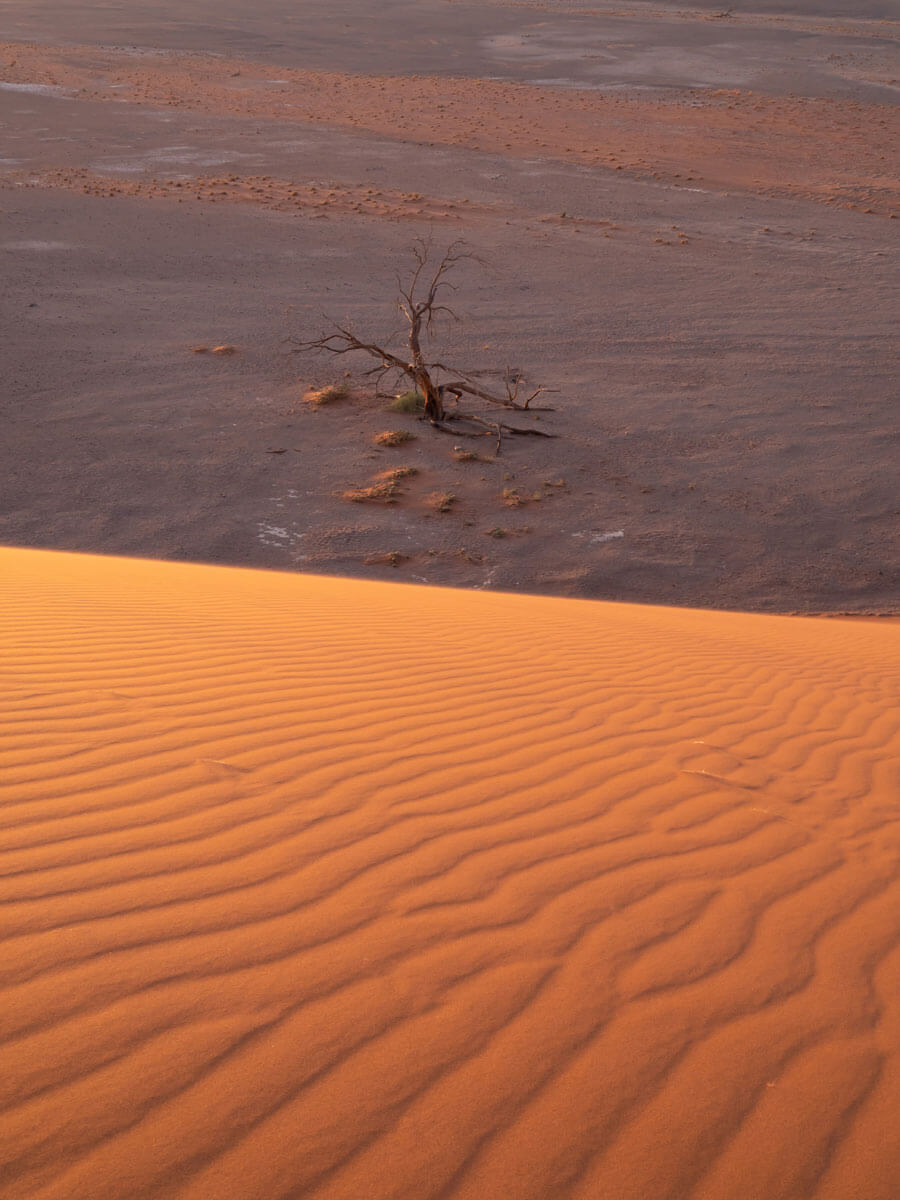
(342, 889)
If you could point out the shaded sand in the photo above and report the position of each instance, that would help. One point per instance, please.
(344, 889)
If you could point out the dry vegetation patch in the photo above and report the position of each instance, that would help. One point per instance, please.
(499, 532)
(393, 437)
(385, 489)
(408, 402)
(396, 473)
(391, 558)
(441, 502)
(385, 492)
(330, 394)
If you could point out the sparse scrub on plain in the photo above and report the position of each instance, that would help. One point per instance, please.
(409, 401)
(392, 558)
(393, 437)
(499, 532)
(385, 492)
(396, 473)
(441, 502)
(329, 394)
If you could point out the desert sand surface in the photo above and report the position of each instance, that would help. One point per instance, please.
(685, 215)
(423, 864)
(478, 896)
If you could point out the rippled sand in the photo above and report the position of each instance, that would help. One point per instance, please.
(314, 887)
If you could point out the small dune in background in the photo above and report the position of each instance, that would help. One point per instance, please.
(481, 896)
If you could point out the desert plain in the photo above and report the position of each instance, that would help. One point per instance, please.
(440, 840)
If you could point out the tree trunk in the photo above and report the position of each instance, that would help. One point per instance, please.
(434, 405)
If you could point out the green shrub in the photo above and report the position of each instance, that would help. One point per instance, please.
(408, 402)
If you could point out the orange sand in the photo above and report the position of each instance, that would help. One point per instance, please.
(826, 149)
(326, 888)
(282, 195)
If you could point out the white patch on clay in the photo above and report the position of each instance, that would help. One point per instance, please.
(35, 89)
(36, 245)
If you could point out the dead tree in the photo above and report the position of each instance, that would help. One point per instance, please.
(441, 387)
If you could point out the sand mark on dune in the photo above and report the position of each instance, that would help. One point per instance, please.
(306, 892)
(840, 151)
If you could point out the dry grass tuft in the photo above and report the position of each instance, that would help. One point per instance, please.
(393, 437)
(513, 498)
(224, 350)
(393, 558)
(441, 501)
(378, 493)
(499, 532)
(397, 473)
(385, 490)
(469, 456)
(327, 395)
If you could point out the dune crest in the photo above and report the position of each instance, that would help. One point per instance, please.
(339, 889)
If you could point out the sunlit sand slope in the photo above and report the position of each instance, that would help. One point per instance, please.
(324, 888)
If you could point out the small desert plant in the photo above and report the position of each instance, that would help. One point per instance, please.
(327, 395)
(512, 498)
(408, 402)
(470, 456)
(393, 558)
(397, 473)
(385, 492)
(497, 532)
(393, 437)
(441, 502)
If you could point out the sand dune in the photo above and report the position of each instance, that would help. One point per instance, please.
(478, 896)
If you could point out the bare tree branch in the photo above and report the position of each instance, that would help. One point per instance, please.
(421, 312)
